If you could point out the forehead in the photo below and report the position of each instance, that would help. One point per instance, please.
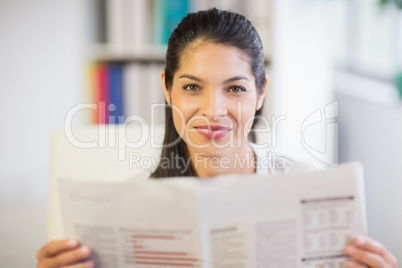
(206, 58)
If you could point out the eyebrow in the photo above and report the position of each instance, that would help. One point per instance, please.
(235, 78)
(192, 77)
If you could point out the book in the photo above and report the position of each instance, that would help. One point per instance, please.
(115, 94)
(167, 14)
(92, 93)
(97, 21)
(132, 96)
(138, 25)
(115, 23)
(155, 95)
(100, 83)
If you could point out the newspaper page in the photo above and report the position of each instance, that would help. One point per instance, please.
(291, 220)
(142, 224)
(295, 220)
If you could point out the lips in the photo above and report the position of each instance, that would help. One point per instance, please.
(212, 131)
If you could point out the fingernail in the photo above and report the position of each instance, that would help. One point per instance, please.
(350, 250)
(72, 242)
(85, 250)
(351, 264)
(361, 241)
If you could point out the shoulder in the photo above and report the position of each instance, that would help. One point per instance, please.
(271, 162)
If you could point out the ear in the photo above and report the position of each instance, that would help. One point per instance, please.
(165, 91)
(261, 94)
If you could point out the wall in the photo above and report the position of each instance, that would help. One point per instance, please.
(40, 80)
(302, 79)
(371, 133)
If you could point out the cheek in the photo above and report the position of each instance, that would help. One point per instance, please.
(247, 113)
(178, 124)
(245, 123)
(183, 111)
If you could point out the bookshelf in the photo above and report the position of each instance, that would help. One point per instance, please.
(130, 37)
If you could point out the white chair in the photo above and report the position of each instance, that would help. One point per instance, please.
(97, 153)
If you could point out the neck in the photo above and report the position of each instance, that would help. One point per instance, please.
(228, 161)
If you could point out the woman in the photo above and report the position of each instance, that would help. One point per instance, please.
(214, 85)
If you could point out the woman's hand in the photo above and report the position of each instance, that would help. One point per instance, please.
(368, 252)
(64, 253)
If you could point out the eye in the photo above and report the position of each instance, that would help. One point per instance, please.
(191, 87)
(236, 89)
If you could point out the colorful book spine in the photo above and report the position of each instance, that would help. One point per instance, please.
(100, 83)
(173, 12)
(167, 14)
(115, 93)
(92, 92)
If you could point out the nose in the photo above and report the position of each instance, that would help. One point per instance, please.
(213, 104)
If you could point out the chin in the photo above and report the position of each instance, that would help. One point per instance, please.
(212, 147)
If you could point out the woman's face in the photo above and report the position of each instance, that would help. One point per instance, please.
(214, 98)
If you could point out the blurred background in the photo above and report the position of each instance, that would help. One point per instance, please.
(335, 87)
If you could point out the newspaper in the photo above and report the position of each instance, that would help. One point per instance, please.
(291, 220)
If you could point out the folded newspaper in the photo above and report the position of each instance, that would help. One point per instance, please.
(290, 220)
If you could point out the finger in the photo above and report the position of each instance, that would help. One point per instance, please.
(86, 264)
(369, 244)
(392, 260)
(373, 246)
(366, 257)
(70, 257)
(56, 247)
(355, 264)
